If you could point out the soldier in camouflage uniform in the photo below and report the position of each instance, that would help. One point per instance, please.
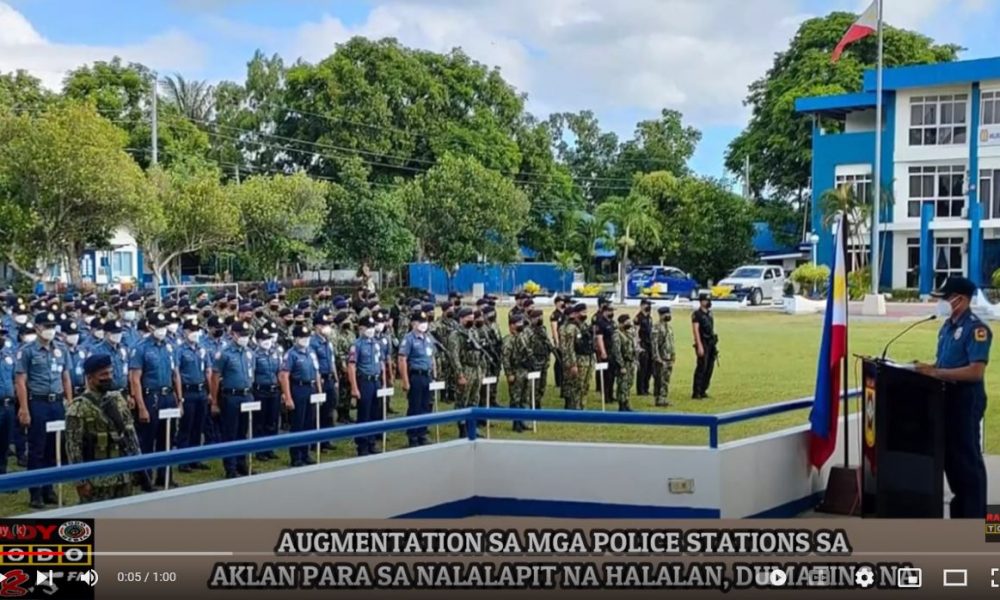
(466, 355)
(517, 362)
(662, 346)
(623, 355)
(441, 331)
(576, 344)
(99, 426)
(493, 352)
(541, 351)
(343, 339)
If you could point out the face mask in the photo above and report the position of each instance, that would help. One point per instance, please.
(369, 333)
(326, 330)
(707, 304)
(302, 342)
(944, 309)
(98, 334)
(103, 312)
(172, 328)
(194, 336)
(422, 327)
(518, 328)
(380, 327)
(479, 324)
(667, 318)
(103, 386)
(129, 315)
(29, 338)
(48, 334)
(160, 333)
(468, 324)
(73, 340)
(217, 333)
(266, 344)
(242, 341)
(627, 326)
(274, 339)
(21, 319)
(259, 314)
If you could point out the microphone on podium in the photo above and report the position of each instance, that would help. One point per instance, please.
(905, 331)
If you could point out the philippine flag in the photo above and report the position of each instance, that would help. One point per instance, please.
(866, 25)
(832, 351)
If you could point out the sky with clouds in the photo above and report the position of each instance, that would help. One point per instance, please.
(625, 59)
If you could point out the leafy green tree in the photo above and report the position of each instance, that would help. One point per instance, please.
(193, 98)
(632, 215)
(567, 261)
(589, 231)
(590, 153)
(186, 211)
(280, 216)
(22, 92)
(464, 212)
(663, 144)
(66, 183)
(777, 139)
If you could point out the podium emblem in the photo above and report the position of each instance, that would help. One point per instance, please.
(869, 415)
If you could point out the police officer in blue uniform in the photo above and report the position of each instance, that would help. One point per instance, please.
(416, 370)
(8, 401)
(232, 385)
(44, 390)
(155, 384)
(69, 331)
(366, 371)
(26, 335)
(963, 351)
(111, 344)
(194, 365)
(215, 341)
(266, 390)
(130, 315)
(300, 379)
(322, 345)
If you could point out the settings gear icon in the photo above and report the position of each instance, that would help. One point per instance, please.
(864, 577)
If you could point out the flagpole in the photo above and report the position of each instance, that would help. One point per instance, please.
(847, 334)
(877, 182)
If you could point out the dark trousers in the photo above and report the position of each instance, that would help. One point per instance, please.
(302, 418)
(418, 402)
(146, 432)
(369, 409)
(557, 377)
(265, 422)
(192, 420)
(344, 401)
(234, 424)
(8, 418)
(20, 439)
(212, 428)
(41, 445)
(329, 406)
(963, 463)
(703, 372)
(609, 375)
(164, 402)
(645, 371)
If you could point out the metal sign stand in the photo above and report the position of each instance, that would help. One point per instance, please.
(436, 387)
(317, 400)
(385, 393)
(488, 382)
(57, 427)
(532, 376)
(250, 407)
(169, 414)
(598, 368)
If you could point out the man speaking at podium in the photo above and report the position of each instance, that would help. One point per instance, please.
(962, 353)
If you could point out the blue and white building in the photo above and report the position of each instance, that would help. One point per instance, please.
(940, 159)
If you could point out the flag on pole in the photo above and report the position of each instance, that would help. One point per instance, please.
(866, 25)
(832, 354)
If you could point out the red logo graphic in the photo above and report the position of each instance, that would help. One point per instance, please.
(11, 586)
(21, 532)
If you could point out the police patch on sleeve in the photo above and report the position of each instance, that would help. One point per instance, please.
(981, 334)
(9, 360)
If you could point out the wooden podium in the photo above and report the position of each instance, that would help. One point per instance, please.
(903, 442)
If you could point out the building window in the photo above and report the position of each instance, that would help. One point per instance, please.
(912, 262)
(947, 259)
(989, 193)
(942, 186)
(990, 113)
(938, 120)
(857, 255)
(860, 183)
(121, 264)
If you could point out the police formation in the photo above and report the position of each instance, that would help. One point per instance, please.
(109, 365)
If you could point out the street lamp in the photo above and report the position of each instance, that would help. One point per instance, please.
(814, 241)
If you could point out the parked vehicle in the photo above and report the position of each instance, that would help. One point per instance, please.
(755, 283)
(666, 282)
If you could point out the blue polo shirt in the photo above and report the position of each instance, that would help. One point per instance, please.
(266, 366)
(235, 367)
(131, 336)
(119, 361)
(418, 349)
(156, 361)
(324, 353)
(366, 356)
(963, 342)
(7, 373)
(43, 366)
(76, 357)
(300, 364)
(192, 361)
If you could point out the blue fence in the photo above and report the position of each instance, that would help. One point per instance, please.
(496, 279)
(470, 416)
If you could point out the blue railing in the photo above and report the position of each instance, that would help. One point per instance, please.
(470, 416)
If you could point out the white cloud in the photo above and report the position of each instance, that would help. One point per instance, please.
(23, 47)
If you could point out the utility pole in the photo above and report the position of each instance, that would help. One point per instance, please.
(154, 127)
(236, 170)
(746, 177)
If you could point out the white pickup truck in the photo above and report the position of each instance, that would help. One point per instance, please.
(756, 283)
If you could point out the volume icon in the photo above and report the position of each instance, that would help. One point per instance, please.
(89, 577)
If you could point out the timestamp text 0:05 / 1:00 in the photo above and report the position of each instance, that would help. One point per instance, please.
(147, 576)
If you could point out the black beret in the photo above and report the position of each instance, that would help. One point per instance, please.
(340, 317)
(245, 307)
(428, 308)
(663, 310)
(466, 312)
(623, 319)
(528, 301)
(534, 313)
(516, 318)
(578, 308)
(340, 304)
(482, 301)
(704, 296)
(96, 362)
(285, 312)
(645, 302)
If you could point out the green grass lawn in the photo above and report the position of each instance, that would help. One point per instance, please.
(765, 358)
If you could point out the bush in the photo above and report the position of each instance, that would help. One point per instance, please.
(813, 277)
(591, 290)
(905, 295)
(995, 278)
(859, 283)
(530, 287)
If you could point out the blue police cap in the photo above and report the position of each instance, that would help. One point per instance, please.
(240, 328)
(961, 286)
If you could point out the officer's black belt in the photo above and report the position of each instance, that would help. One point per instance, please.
(163, 391)
(419, 372)
(193, 387)
(265, 388)
(364, 377)
(303, 381)
(236, 391)
(46, 397)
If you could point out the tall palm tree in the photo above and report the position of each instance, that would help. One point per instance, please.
(193, 98)
(858, 208)
(589, 232)
(567, 261)
(632, 216)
